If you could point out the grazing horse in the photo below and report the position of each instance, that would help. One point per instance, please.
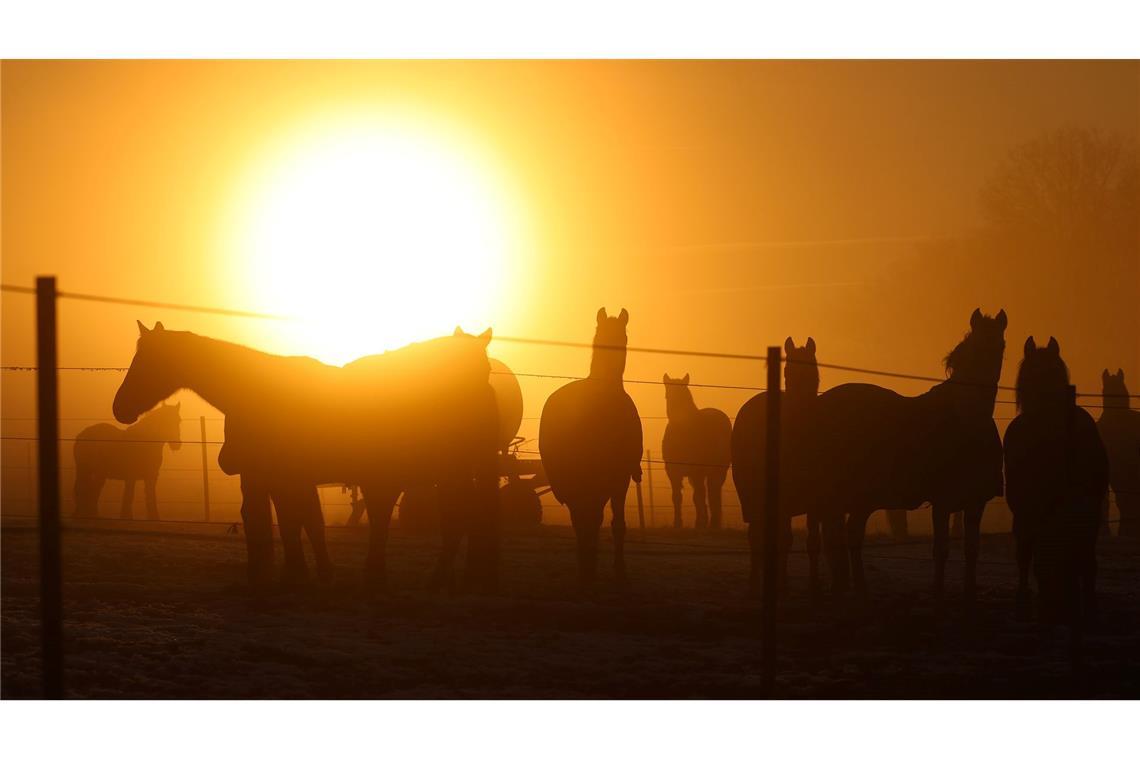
(421, 414)
(1119, 428)
(590, 441)
(698, 446)
(1056, 472)
(871, 448)
(749, 444)
(104, 451)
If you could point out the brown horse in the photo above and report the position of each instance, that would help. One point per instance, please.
(749, 444)
(697, 445)
(1056, 473)
(590, 441)
(871, 448)
(104, 451)
(423, 413)
(1119, 427)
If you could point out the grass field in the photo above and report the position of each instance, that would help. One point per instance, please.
(162, 611)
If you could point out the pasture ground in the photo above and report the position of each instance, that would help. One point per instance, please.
(161, 611)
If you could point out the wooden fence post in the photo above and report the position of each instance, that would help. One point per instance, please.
(51, 561)
(771, 521)
(205, 472)
(640, 508)
(649, 469)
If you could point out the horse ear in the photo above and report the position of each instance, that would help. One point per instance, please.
(458, 332)
(623, 318)
(685, 379)
(143, 330)
(975, 318)
(1030, 345)
(1120, 372)
(811, 345)
(1002, 320)
(1054, 346)
(485, 336)
(157, 326)
(1104, 376)
(602, 315)
(178, 406)
(789, 344)
(666, 378)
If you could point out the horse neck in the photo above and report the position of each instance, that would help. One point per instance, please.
(801, 397)
(681, 407)
(217, 371)
(970, 396)
(608, 364)
(147, 428)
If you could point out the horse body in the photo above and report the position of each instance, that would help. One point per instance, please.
(1119, 428)
(104, 452)
(870, 448)
(424, 413)
(591, 445)
(697, 445)
(749, 447)
(1056, 472)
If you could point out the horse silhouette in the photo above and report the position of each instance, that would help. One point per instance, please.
(422, 413)
(590, 441)
(749, 447)
(697, 445)
(871, 448)
(1056, 472)
(104, 451)
(1119, 427)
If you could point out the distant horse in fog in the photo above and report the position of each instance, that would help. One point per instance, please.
(698, 446)
(104, 451)
(749, 444)
(1119, 428)
(422, 414)
(590, 441)
(871, 448)
(1056, 472)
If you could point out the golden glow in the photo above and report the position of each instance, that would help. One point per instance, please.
(374, 232)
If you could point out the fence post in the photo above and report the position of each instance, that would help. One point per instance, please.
(649, 469)
(205, 472)
(771, 520)
(51, 561)
(640, 508)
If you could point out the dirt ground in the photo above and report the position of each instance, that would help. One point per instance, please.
(162, 611)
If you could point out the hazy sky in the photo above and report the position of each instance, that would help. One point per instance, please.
(725, 204)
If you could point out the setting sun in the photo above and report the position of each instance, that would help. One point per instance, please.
(374, 234)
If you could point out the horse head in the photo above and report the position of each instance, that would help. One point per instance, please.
(801, 371)
(150, 378)
(168, 424)
(974, 366)
(678, 397)
(610, 341)
(1114, 390)
(1042, 377)
(470, 357)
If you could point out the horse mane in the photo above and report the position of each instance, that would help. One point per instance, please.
(954, 357)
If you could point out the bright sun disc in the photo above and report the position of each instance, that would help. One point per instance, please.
(376, 236)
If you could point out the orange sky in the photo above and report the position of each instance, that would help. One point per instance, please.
(725, 204)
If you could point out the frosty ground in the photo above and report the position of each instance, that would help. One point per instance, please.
(162, 611)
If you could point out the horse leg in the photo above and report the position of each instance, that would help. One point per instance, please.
(813, 547)
(85, 498)
(700, 501)
(587, 521)
(896, 519)
(973, 519)
(617, 505)
(289, 522)
(677, 483)
(756, 553)
(1024, 565)
(483, 543)
(716, 511)
(150, 492)
(257, 524)
(856, 529)
(940, 519)
(379, 502)
(127, 512)
(454, 523)
(834, 545)
(313, 522)
(956, 529)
